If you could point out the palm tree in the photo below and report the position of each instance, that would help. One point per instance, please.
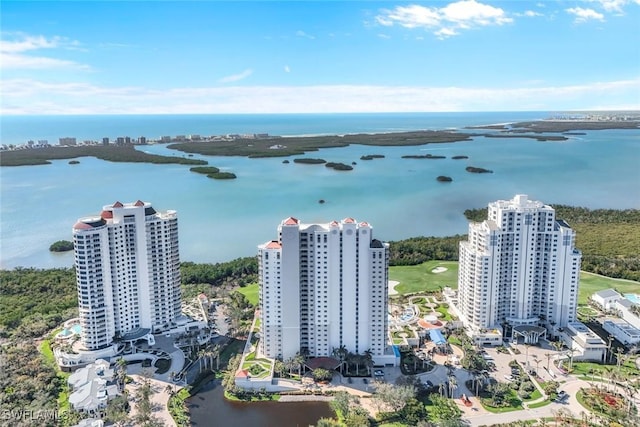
(557, 345)
(290, 365)
(280, 368)
(452, 382)
(170, 390)
(215, 352)
(619, 357)
(477, 379)
(299, 360)
(358, 359)
(630, 392)
(341, 353)
(172, 378)
(570, 353)
(609, 340)
(548, 356)
(200, 355)
(121, 373)
(368, 361)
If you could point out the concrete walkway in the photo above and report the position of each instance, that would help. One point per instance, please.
(159, 399)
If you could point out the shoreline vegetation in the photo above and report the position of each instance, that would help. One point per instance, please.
(111, 153)
(289, 146)
(213, 172)
(554, 126)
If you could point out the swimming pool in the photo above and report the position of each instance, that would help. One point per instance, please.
(75, 329)
(633, 298)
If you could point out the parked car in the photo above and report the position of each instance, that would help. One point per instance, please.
(429, 384)
(378, 373)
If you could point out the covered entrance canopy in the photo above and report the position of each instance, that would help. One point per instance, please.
(530, 333)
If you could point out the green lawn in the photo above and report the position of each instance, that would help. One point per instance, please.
(419, 278)
(251, 292)
(582, 368)
(534, 395)
(591, 283)
(515, 404)
(539, 404)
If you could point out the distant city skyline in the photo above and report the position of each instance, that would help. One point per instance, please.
(63, 57)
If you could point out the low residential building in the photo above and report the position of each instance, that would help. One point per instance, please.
(622, 330)
(67, 141)
(606, 298)
(625, 308)
(93, 386)
(90, 422)
(586, 345)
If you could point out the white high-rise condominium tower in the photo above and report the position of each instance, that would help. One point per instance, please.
(323, 286)
(127, 271)
(519, 267)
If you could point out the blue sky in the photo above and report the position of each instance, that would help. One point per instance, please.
(312, 57)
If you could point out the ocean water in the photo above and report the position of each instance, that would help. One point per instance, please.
(20, 129)
(221, 220)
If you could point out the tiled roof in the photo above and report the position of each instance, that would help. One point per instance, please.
(118, 205)
(273, 245)
(82, 226)
(107, 214)
(349, 221)
(139, 203)
(242, 373)
(291, 221)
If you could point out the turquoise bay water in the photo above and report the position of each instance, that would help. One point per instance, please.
(221, 220)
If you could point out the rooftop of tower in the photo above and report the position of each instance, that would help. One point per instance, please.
(519, 201)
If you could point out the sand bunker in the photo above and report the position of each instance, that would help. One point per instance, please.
(392, 287)
(439, 270)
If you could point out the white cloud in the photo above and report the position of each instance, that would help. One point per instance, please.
(444, 33)
(584, 15)
(611, 6)
(14, 48)
(25, 96)
(384, 36)
(21, 42)
(287, 69)
(410, 17)
(445, 21)
(531, 14)
(16, 61)
(236, 77)
(472, 13)
(301, 33)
